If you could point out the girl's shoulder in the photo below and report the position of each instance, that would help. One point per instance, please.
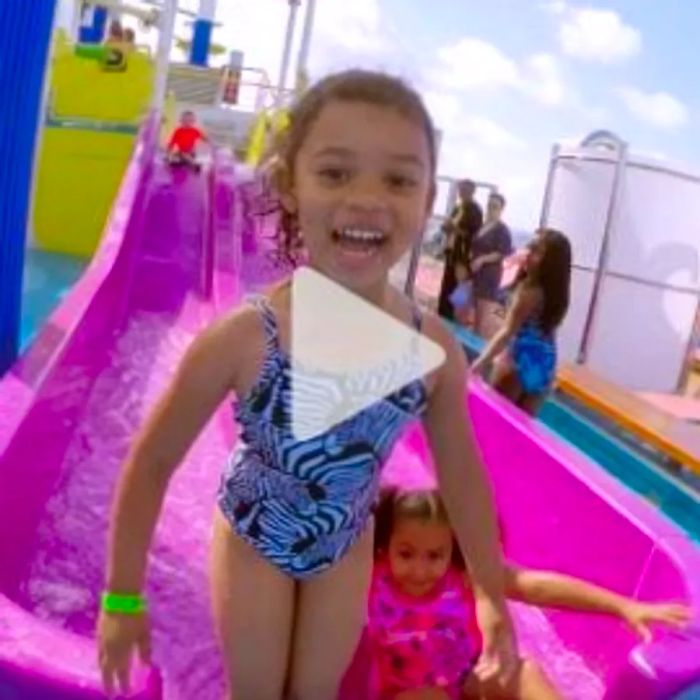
(528, 296)
(232, 345)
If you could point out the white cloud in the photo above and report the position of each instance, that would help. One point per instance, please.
(657, 108)
(474, 63)
(598, 35)
(357, 25)
(543, 79)
(555, 7)
(454, 115)
(445, 108)
(491, 134)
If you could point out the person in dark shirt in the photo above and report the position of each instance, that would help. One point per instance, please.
(489, 248)
(464, 223)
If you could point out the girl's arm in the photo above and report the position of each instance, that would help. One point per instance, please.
(487, 258)
(524, 304)
(467, 495)
(202, 381)
(550, 589)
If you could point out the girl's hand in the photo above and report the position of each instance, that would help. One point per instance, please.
(499, 657)
(639, 615)
(118, 636)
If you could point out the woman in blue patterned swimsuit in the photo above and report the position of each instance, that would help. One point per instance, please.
(526, 370)
(292, 545)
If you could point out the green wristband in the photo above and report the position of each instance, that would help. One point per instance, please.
(123, 604)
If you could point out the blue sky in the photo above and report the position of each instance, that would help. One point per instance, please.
(505, 79)
(508, 78)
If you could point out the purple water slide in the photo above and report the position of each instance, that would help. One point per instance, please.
(70, 409)
(169, 262)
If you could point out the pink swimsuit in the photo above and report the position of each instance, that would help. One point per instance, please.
(426, 642)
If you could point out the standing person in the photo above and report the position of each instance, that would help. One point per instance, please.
(525, 371)
(293, 532)
(490, 247)
(464, 223)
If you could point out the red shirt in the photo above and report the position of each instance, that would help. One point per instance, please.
(185, 138)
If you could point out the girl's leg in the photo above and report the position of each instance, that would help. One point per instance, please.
(488, 320)
(533, 683)
(253, 612)
(531, 403)
(529, 683)
(505, 381)
(331, 613)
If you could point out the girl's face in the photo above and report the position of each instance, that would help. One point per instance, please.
(363, 189)
(420, 553)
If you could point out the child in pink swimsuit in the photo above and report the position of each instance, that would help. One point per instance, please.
(422, 621)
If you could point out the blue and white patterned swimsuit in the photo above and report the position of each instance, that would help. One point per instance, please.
(302, 504)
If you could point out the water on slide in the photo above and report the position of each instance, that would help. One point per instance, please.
(165, 312)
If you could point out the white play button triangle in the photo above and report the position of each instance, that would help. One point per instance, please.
(347, 354)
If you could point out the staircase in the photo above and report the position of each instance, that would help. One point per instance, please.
(193, 85)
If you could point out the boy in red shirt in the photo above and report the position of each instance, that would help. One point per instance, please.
(182, 147)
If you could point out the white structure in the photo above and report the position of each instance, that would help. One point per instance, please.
(634, 224)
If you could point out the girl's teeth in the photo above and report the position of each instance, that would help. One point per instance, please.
(362, 235)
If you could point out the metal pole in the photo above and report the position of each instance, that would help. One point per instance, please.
(166, 32)
(689, 356)
(412, 271)
(76, 20)
(287, 50)
(305, 43)
(610, 220)
(549, 186)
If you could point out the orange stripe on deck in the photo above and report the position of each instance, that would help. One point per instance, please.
(675, 438)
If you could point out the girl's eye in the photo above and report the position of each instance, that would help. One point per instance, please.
(400, 182)
(334, 176)
(405, 554)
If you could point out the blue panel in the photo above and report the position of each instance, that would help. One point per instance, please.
(94, 33)
(201, 41)
(25, 33)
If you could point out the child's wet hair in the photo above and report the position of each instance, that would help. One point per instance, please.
(368, 87)
(424, 505)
